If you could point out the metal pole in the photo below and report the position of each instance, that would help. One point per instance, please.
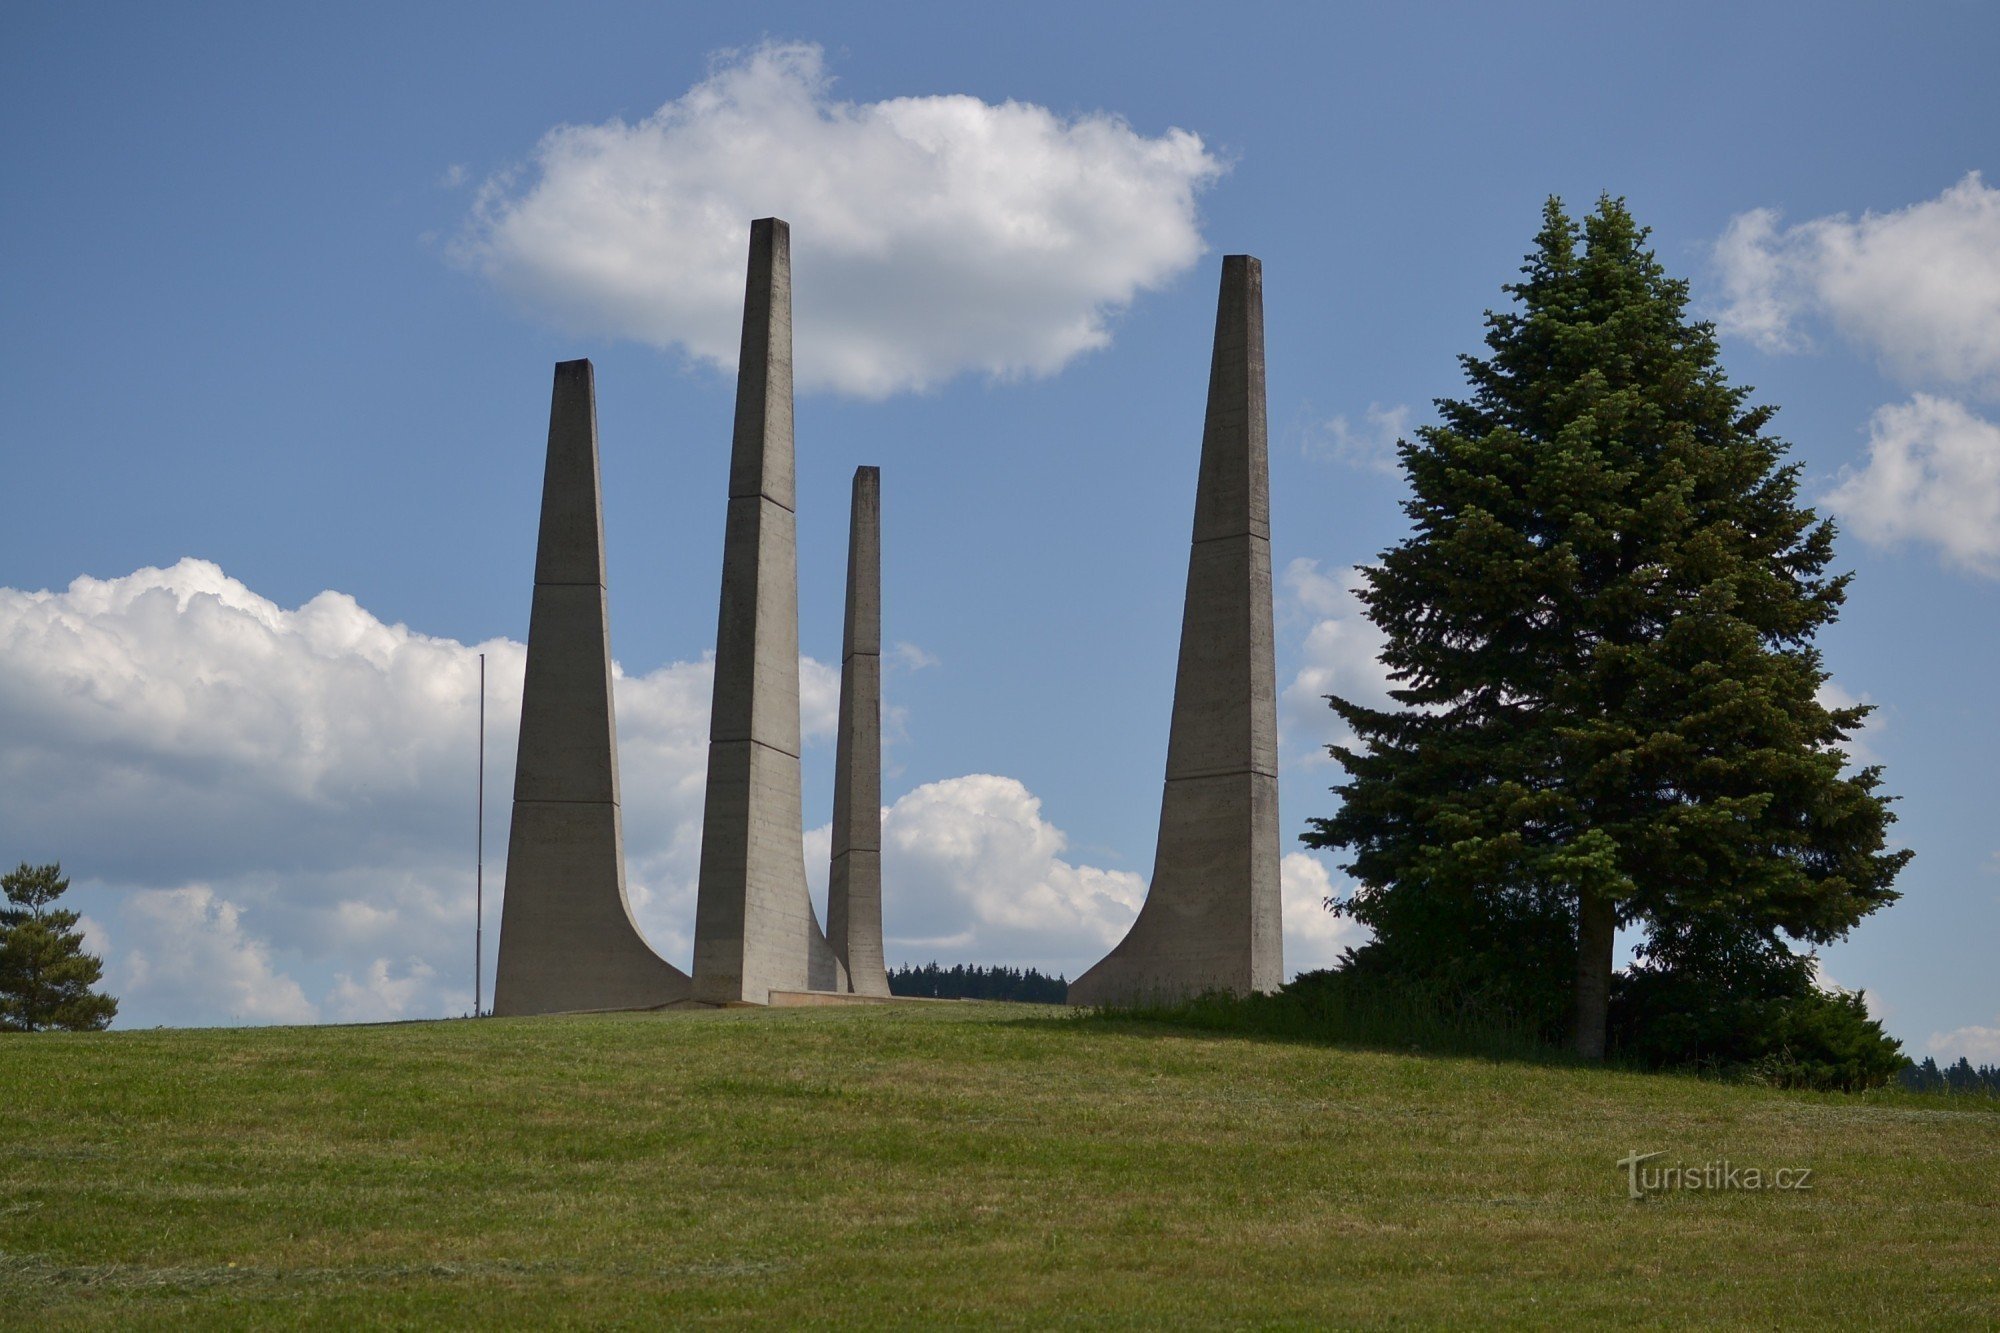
(479, 860)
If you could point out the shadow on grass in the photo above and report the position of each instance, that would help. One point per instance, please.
(1317, 1010)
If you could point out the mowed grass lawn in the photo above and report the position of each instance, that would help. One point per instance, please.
(955, 1164)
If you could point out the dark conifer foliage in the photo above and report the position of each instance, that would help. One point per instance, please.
(46, 978)
(960, 982)
(1602, 629)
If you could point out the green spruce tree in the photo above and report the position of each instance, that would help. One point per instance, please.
(46, 978)
(1602, 631)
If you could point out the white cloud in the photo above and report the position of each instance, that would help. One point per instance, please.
(96, 939)
(1762, 296)
(1918, 286)
(197, 964)
(932, 235)
(1370, 446)
(1322, 593)
(1314, 937)
(971, 870)
(1932, 475)
(911, 658)
(1878, 1007)
(386, 991)
(1342, 655)
(1981, 1045)
(1860, 745)
(454, 176)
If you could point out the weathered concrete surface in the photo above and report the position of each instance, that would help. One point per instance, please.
(754, 925)
(854, 880)
(567, 939)
(1212, 919)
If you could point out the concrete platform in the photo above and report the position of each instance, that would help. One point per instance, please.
(815, 999)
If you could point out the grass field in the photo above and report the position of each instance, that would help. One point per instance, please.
(956, 1164)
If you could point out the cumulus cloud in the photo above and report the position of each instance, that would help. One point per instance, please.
(1860, 747)
(385, 991)
(1762, 300)
(976, 868)
(1981, 1045)
(1314, 937)
(1918, 286)
(1932, 475)
(1919, 289)
(197, 964)
(1370, 446)
(1879, 1007)
(972, 868)
(182, 702)
(932, 236)
(1341, 655)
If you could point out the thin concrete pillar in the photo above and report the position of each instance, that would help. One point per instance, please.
(754, 927)
(567, 938)
(854, 881)
(1211, 919)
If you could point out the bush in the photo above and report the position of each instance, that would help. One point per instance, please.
(1752, 1009)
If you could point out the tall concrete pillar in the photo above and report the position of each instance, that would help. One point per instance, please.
(1212, 919)
(567, 938)
(754, 927)
(854, 881)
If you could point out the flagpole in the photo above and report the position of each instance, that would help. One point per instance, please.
(479, 860)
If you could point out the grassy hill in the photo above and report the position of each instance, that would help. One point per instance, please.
(946, 1164)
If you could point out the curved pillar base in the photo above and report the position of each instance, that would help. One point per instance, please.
(567, 940)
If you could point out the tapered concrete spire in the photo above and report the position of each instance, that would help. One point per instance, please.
(567, 939)
(854, 881)
(1212, 920)
(754, 927)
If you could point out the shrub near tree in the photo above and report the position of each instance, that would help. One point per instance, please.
(46, 978)
(1609, 714)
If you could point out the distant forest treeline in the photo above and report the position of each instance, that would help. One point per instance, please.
(1961, 1077)
(960, 982)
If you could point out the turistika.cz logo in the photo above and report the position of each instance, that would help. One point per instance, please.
(1641, 1180)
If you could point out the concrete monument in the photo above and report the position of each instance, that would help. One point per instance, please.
(567, 939)
(854, 880)
(754, 929)
(1211, 920)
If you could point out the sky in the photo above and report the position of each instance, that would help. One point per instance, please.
(283, 287)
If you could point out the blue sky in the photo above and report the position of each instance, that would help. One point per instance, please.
(283, 288)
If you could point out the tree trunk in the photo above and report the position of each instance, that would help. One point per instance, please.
(1597, 926)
